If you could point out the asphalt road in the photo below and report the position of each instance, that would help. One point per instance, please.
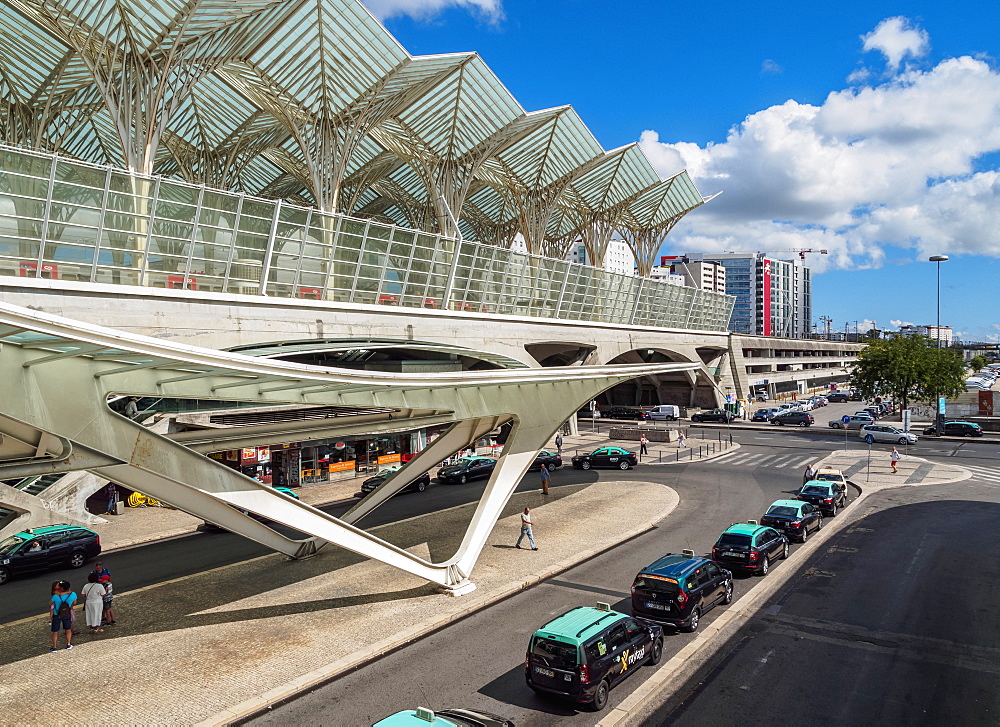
(895, 622)
(478, 662)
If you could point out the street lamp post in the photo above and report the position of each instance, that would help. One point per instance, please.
(938, 418)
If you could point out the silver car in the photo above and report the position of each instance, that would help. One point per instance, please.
(885, 433)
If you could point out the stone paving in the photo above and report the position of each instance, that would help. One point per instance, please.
(187, 651)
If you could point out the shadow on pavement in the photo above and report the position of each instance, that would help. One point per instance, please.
(510, 688)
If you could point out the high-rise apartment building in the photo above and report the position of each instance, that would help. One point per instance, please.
(700, 274)
(773, 297)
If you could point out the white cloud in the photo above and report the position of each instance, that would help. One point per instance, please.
(770, 66)
(896, 38)
(890, 164)
(897, 324)
(491, 10)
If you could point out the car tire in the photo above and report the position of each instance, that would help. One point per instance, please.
(784, 552)
(77, 559)
(833, 510)
(585, 465)
(728, 598)
(803, 424)
(765, 566)
(600, 700)
(421, 486)
(901, 440)
(819, 525)
(805, 534)
(656, 652)
(462, 480)
(550, 466)
(4, 575)
(623, 465)
(693, 620)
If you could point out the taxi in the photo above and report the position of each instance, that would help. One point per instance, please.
(606, 457)
(52, 546)
(794, 518)
(679, 589)
(586, 651)
(750, 546)
(422, 717)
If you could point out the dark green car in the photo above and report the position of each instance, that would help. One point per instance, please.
(606, 457)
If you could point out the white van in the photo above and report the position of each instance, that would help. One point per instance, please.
(665, 412)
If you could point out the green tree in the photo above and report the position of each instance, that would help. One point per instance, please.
(978, 363)
(907, 368)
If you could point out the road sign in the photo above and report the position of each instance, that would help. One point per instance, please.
(869, 439)
(846, 419)
(906, 419)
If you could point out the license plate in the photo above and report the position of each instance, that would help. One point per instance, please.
(544, 672)
(731, 554)
(656, 606)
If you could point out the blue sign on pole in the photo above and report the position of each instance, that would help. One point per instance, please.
(869, 439)
(846, 419)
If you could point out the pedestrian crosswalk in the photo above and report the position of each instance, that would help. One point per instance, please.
(764, 459)
(987, 474)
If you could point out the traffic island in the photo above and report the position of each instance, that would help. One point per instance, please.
(224, 644)
(675, 672)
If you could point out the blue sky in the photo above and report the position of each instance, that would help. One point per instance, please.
(869, 129)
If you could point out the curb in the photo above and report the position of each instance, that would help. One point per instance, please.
(676, 671)
(732, 448)
(251, 708)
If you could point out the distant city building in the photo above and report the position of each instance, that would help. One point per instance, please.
(700, 274)
(931, 332)
(617, 259)
(773, 297)
(664, 275)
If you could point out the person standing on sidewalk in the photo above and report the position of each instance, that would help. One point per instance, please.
(112, 498)
(546, 476)
(894, 460)
(94, 594)
(559, 441)
(108, 616)
(642, 444)
(526, 529)
(809, 474)
(61, 610)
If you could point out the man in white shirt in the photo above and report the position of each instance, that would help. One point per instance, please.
(526, 529)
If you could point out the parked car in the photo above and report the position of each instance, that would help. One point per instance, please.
(545, 458)
(53, 546)
(750, 546)
(679, 589)
(624, 412)
(421, 483)
(665, 412)
(837, 396)
(606, 457)
(586, 651)
(958, 429)
(467, 468)
(855, 422)
(763, 415)
(828, 474)
(885, 433)
(874, 410)
(796, 418)
(794, 518)
(824, 495)
(713, 415)
(805, 406)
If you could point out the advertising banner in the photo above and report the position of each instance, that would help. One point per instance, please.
(767, 297)
(389, 459)
(342, 466)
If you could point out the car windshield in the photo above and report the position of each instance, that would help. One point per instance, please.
(730, 540)
(783, 510)
(386, 472)
(555, 653)
(9, 545)
(656, 584)
(816, 490)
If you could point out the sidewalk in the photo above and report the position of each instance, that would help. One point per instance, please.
(185, 652)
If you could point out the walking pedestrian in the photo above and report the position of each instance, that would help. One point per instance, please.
(681, 442)
(112, 498)
(61, 609)
(894, 460)
(108, 617)
(559, 441)
(642, 444)
(809, 474)
(546, 476)
(93, 594)
(526, 529)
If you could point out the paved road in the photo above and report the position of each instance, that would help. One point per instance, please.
(478, 662)
(894, 623)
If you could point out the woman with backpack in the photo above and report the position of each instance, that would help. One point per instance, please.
(61, 609)
(94, 594)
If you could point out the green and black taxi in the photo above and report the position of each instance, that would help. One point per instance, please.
(40, 549)
(606, 457)
(679, 589)
(750, 546)
(422, 717)
(794, 518)
(586, 651)
(827, 496)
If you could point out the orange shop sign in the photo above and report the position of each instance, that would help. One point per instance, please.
(389, 458)
(342, 466)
